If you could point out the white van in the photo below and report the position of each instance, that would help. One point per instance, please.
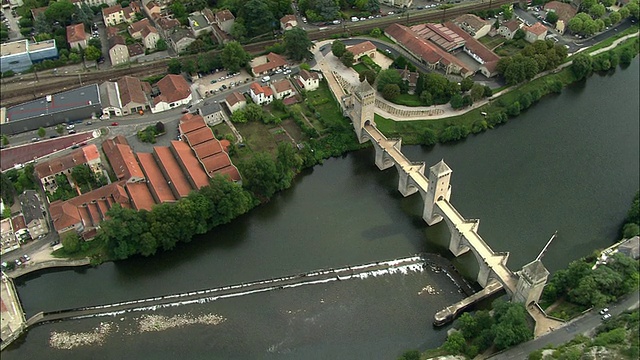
(354, 19)
(266, 79)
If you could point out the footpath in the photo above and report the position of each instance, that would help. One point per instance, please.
(436, 111)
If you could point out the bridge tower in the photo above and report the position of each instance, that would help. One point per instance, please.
(439, 189)
(532, 279)
(363, 100)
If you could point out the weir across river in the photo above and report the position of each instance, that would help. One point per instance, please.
(398, 266)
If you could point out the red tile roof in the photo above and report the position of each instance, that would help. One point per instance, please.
(75, 158)
(216, 162)
(224, 15)
(288, 18)
(65, 214)
(135, 49)
(306, 75)
(274, 61)
(172, 168)
(199, 136)
(564, 11)
(140, 195)
(112, 31)
(193, 169)
(76, 33)
(18, 223)
(174, 88)
(282, 85)
(208, 148)
(430, 53)
(231, 172)
(256, 88)
(166, 23)
(489, 57)
(208, 14)
(362, 48)
(122, 160)
(111, 10)
(234, 98)
(536, 29)
(138, 26)
(157, 183)
(439, 35)
(512, 25)
(130, 89)
(191, 122)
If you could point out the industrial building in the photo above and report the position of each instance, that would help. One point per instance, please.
(77, 104)
(20, 55)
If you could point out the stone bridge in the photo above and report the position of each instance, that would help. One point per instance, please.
(358, 104)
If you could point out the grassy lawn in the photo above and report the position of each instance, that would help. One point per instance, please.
(492, 42)
(293, 130)
(329, 111)
(360, 68)
(510, 47)
(411, 131)
(257, 137)
(566, 310)
(223, 130)
(93, 248)
(408, 100)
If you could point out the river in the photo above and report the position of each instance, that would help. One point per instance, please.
(570, 164)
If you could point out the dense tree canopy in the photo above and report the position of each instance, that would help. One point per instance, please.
(581, 65)
(297, 44)
(338, 48)
(129, 232)
(234, 56)
(258, 18)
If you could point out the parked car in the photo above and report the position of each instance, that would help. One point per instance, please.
(114, 124)
(604, 311)
(606, 316)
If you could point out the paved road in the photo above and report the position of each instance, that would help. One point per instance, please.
(582, 325)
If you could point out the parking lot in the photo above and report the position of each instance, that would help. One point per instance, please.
(221, 80)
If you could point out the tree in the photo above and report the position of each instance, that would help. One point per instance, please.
(552, 17)
(92, 53)
(82, 175)
(258, 18)
(347, 58)
(456, 102)
(61, 11)
(376, 32)
(597, 10)
(615, 17)
(297, 44)
(253, 112)
(42, 132)
(288, 164)
(426, 98)
(305, 66)
(477, 92)
(390, 91)
(388, 76)
(429, 137)
(234, 57)
(519, 34)
(338, 48)
(71, 242)
(455, 343)
(95, 42)
(507, 11)
(581, 65)
(466, 84)
(260, 175)
(161, 44)
(5, 140)
(7, 190)
(576, 24)
(410, 355)
(368, 75)
(511, 325)
(160, 127)
(238, 30)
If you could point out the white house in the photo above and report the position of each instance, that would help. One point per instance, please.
(260, 94)
(174, 92)
(308, 80)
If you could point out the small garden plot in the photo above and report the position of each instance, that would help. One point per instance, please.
(280, 134)
(293, 130)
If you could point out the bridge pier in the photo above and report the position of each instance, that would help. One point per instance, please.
(438, 189)
(406, 184)
(456, 242)
(383, 159)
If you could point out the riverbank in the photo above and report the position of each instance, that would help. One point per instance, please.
(498, 108)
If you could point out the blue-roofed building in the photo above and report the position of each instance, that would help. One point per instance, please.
(72, 105)
(20, 55)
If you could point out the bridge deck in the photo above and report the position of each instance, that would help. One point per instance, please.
(495, 261)
(450, 312)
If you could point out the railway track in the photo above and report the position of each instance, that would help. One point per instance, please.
(48, 83)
